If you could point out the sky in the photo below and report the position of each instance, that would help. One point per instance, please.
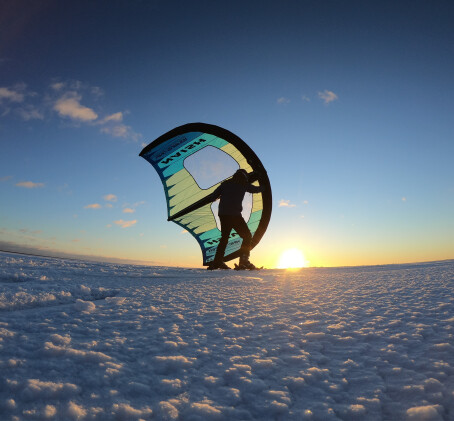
(347, 104)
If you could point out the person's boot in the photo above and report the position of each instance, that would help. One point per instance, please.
(217, 265)
(245, 264)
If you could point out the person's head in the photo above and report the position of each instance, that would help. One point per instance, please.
(240, 177)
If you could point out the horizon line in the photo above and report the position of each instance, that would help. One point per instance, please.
(103, 259)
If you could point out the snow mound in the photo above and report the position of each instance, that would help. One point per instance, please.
(424, 413)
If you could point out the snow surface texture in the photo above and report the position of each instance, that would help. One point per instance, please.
(91, 341)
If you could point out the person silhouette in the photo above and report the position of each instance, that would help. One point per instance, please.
(231, 193)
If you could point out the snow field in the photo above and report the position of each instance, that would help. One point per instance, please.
(91, 341)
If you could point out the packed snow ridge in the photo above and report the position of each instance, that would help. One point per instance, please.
(91, 341)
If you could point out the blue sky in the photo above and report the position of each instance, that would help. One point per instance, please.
(348, 105)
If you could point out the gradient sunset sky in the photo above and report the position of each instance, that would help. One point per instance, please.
(349, 106)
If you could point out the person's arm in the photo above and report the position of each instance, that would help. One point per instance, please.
(255, 176)
(254, 189)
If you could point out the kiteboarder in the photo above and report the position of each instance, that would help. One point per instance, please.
(176, 155)
(231, 193)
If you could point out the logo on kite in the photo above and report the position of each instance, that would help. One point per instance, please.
(192, 160)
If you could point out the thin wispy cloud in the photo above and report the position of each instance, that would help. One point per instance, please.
(305, 98)
(113, 117)
(77, 86)
(29, 184)
(29, 231)
(123, 131)
(286, 204)
(328, 96)
(96, 91)
(283, 100)
(57, 86)
(125, 224)
(110, 198)
(30, 112)
(131, 208)
(11, 97)
(135, 205)
(11, 94)
(6, 178)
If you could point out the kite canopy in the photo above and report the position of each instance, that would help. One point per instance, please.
(175, 155)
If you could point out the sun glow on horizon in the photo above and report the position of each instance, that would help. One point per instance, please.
(292, 259)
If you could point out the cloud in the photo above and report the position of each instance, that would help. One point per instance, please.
(404, 199)
(123, 131)
(286, 204)
(6, 178)
(29, 231)
(110, 198)
(135, 205)
(30, 112)
(93, 206)
(10, 97)
(113, 117)
(126, 224)
(113, 126)
(283, 100)
(14, 99)
(96, 91)
(131, 208)
(65, 99)
(305, 98)
(69, 106)
(13, 95)
(328, 96)
(29, 184)
(57, 86)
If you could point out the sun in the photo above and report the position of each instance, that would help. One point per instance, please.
(292, 259)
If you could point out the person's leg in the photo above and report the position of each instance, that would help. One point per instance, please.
(226, 227)
(240, 226)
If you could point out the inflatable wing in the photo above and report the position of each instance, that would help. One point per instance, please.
(172, 156)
